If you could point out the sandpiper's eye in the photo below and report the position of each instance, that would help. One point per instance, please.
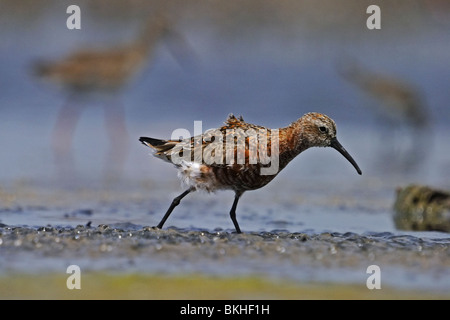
(323, 129)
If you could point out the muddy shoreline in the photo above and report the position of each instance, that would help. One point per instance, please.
(313, 239)
(406, 261)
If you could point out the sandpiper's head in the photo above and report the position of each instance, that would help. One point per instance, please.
(320, 131)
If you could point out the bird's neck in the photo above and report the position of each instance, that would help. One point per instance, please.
(292, 142)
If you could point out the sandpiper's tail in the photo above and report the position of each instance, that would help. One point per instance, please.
(161, 147)
(151, 142)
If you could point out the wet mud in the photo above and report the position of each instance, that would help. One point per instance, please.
(332, 257)
(329, 241)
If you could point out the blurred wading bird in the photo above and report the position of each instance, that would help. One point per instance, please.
(226, 172)
(105, 71)
(400, 107)
(400, 101)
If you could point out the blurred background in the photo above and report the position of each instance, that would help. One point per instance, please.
(270, 61)
(73, 104)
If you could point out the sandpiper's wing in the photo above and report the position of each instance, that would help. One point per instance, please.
(237, 142)
(244, 142)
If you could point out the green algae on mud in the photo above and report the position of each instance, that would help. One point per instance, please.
(190, 287)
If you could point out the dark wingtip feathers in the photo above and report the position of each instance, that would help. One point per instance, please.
(151, 141)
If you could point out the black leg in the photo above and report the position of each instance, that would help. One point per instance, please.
(233, 212)
(175, 202)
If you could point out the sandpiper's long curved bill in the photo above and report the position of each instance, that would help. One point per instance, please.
(336, 145)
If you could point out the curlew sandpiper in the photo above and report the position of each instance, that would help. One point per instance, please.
(215, 169)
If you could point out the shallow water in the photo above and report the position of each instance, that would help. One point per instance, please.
(270, 70)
